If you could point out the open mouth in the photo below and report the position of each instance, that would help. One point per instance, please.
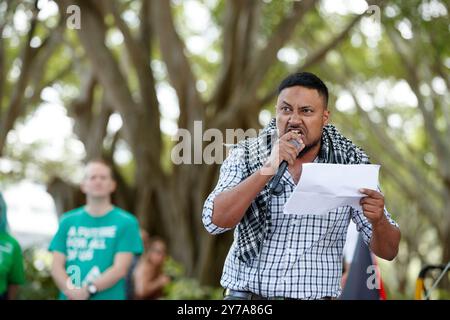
(299, 131)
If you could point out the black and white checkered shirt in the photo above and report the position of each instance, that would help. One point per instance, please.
(301, 257)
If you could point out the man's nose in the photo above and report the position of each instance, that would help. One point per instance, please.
(295, 119)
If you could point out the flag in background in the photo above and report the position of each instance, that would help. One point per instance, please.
(364, 279)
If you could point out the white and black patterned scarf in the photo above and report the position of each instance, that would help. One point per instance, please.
(335, 148)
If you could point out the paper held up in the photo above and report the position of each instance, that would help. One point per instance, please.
(325, 187)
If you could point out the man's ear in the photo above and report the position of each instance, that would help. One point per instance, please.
(326, 117)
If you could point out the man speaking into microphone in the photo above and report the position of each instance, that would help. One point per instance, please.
(275, 255)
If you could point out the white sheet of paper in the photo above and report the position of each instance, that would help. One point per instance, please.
(324, 187)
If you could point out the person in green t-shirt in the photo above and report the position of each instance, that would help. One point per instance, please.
(11, 262)
(95, 244)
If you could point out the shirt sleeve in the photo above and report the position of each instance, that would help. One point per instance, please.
(364, 226)
(231, 174)
(58, 242)
(17, 273)
(130, 238)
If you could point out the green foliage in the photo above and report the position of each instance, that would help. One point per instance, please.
(190, 289)
(273, 12)
(184, 288)
(39, 283)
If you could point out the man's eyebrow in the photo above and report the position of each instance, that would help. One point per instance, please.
(302, 107)
(284, 102)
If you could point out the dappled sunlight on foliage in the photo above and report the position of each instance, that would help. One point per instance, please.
(39, 284)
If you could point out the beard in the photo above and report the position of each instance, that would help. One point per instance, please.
(308, 147)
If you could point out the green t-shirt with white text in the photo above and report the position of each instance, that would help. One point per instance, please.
(91, 243)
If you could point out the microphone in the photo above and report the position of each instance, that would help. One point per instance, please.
(276, 188)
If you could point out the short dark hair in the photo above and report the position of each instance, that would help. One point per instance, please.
(307, 80)
(155, 239)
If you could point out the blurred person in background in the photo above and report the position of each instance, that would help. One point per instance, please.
(94, 246)
(11, 261)
(149, 277)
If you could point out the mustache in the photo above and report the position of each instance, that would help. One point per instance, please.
(299, 128)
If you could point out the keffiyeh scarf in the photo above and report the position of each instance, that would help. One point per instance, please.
(335, 148)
